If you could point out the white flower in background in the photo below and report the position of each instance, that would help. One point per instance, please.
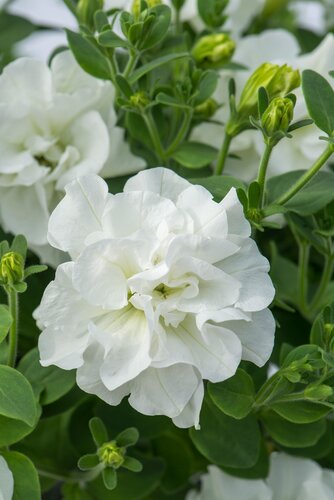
(166, 288)
(280, 47)
(55, 124)
(6, 481)
(290, 478)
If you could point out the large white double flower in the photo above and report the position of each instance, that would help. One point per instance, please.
(290, 478)
(166, 288)
(6, 481)
(55, 124)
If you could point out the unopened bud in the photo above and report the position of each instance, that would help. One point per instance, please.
(254, 215)
(86, 10)
(206, 109)
(136, 6)
(11, 268)
(278, 116)
(318, 392)
(111, 455)
(139, 100)
(212, 51)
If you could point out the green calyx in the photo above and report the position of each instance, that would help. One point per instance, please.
(11, 268)
(111, 455)
(214, 50)
(139, 100)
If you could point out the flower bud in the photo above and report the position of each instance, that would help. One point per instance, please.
(86, 10)
(11, 268)
(137, 3)
(277, 80)
(318, 392)
(206, 109)
(278, 116)
(214, 50)
(111, 455)
(139, 100)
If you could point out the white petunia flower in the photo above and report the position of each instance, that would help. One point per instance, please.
(290, 478)
(166, 288)
(6, 481)
(279, 47)
(55, 124)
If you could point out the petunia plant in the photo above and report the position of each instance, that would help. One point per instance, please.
(172, 163)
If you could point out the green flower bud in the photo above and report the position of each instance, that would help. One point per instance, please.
(11, 268)
(213, 51)
(111, 455)
(318, 392)
(206, 109)
(136, 6)
(278, 116)
(86, 10)
(277, 80)
(139, 100)
(254, 215)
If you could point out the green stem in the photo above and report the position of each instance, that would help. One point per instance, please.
(223, 154)
(13, 332)
(325, 279)
(183, 130)
(130, 64)
(261, 178)
(304, 179)
(267, 389)
(304, 254)
(154, 135)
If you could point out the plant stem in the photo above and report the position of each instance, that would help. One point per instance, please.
(13, 332)
(304, 254)
(304, 179)
(261, 178)
(325, 279)
(223, 154)
(130, 64)
(181, 133)
(154, 135)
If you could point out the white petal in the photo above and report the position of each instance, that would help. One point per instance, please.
(95, 274)
(24, 211)
(189, 417)
(78, 214)
(163, 391)
(6, 481)
(237, 222)
(89, 378)
(158, 180)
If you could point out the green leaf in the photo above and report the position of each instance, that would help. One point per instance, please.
(110, 39)
(226, 441)
(235, 396)
(98, 431)
(218, 185)
(301, 412)
(319, 450)
(26, 483)
(19, 245)
(73, 491)
(88, 56)
(194, 154)
(159, 27)
(49, 383)
(13, 29)
(89, 461)
(109, 476)
(319, 97)
(5, 322)
(168, 100)
(17, 399)
(321, 335)
(291, 434)
(132, 464)
(309, 200)
(156, 63)
(128, 437)
(12, 431)
(34, 270)
(206, 87)
(284, 275)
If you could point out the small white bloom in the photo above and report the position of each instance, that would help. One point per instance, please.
(279, 47)
(290, 478)
(166, 288)
(6, 481)
(55, 124)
